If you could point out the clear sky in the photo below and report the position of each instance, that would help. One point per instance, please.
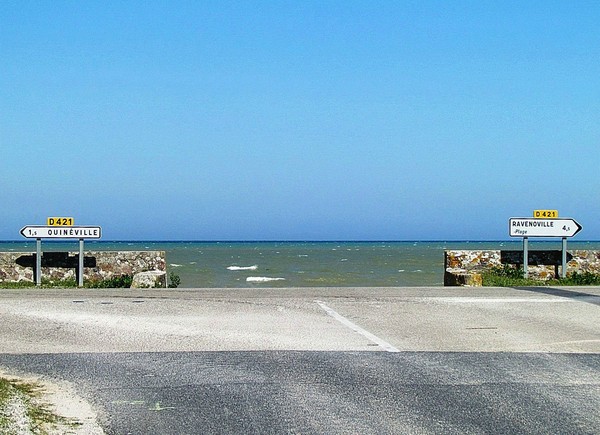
(299, 120)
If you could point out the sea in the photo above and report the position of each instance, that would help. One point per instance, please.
(246, 264)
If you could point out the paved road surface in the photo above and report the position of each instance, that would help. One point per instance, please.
(392, 360)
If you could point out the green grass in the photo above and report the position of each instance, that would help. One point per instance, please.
(20, 284)
(123, 281)
(508, 276)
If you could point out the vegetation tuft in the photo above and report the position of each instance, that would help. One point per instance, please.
(39, 419)
(174, 280)
(509, 276)
(123, 281)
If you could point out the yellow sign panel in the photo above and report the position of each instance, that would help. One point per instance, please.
(61, 221)
(548, 214)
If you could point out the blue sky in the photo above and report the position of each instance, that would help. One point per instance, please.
(285, 120)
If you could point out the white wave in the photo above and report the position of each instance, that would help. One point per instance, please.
(262, 279)
(175, 265)
(243, 267)
(401, 270)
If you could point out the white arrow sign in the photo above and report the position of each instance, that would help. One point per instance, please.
(46, 232)
(528, 227)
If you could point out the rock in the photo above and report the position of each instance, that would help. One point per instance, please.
(98, 265)
(463, 278)
(150, 279)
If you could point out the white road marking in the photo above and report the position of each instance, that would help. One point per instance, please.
(380, 342)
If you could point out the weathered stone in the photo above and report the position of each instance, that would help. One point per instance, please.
(461, 264)
(461, 278)
(150, 279)
(19, 266)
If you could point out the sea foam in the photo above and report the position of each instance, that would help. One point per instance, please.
(262, 279)
(243, 267)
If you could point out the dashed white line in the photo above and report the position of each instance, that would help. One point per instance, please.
(380, 342)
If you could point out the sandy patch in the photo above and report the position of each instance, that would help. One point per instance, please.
(62, 399)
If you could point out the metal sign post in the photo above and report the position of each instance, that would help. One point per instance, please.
(543, 227)
(526, 257)
(563, 272)
(58, 228)
(38, 262)
(80, 281)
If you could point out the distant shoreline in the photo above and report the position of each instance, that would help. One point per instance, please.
(515, 240)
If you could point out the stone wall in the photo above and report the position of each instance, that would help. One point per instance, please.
(98, 265)
(466, 267)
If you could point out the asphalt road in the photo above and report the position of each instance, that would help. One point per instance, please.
(391, 360)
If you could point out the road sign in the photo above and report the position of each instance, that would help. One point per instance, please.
(60, 221)
(547, 214)
(53, 232)
(528, 227)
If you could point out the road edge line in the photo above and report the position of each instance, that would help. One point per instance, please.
(353, 326)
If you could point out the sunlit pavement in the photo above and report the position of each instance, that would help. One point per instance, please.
(390, 360)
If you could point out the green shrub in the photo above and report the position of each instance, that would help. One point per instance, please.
(506, 276)
(508, 271)
(174, 280)
(123, 281)
(585, 278)
(509, 276)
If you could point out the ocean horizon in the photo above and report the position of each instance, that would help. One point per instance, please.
(266, 263)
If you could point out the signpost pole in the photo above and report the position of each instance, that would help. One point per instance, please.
(564, 257)
(38, 263)
(544, 224)
(80, 283)
(525, 256)
(60, 228)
